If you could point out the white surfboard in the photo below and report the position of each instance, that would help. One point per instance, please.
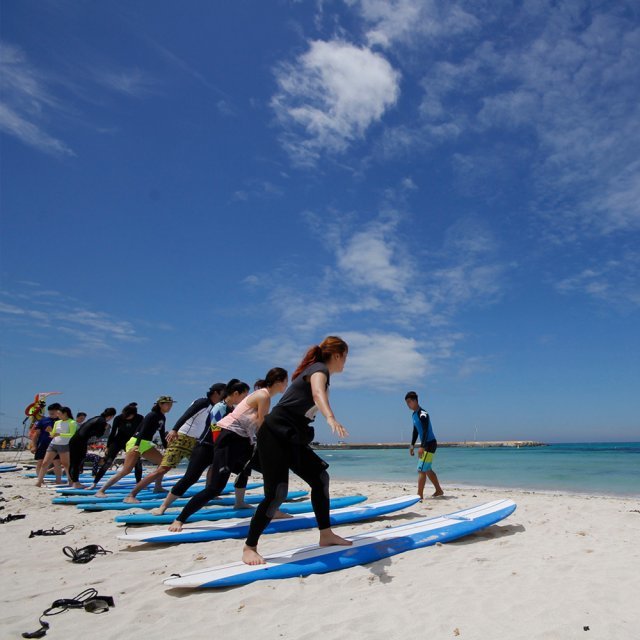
(367, 547)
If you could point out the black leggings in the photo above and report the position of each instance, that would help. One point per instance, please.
(277, 455)
(109, 456)
(231, 454)
(201, 458)
(77, 453)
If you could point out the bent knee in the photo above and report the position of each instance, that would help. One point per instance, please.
(278, 498)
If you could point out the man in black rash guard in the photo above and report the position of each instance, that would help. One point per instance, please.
(122, 429)
(283, 444)
(79, 443)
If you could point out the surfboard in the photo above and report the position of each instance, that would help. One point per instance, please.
(216, 513)
(180, 502)
(127, 482)
(6, 468)
(240, 528)
(367, 547)
(144, 496)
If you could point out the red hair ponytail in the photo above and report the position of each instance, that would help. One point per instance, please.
(321, 353)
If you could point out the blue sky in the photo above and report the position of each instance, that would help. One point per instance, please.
(197, 191)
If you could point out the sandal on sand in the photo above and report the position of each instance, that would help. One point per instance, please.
(89, 600)
(11, 517)
(84, 554)
(52, 532)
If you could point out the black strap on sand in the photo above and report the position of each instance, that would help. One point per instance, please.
(51, 532)
(84, 554)
(89, 600)
(11, 517)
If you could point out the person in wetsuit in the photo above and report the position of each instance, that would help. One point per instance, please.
(79, 443)
(202, 455)
(283, 443)
(428, 444)
(124, 426)
(234, 447)
(141, 443)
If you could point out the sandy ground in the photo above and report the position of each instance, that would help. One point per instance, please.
(561, 567)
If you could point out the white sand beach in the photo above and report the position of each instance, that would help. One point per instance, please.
(561, 567)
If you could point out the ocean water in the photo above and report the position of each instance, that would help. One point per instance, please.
(591, 468)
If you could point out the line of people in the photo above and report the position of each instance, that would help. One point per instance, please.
(229, 431)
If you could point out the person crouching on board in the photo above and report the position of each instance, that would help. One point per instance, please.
(428, 444)
(283, 443)
(141, 443)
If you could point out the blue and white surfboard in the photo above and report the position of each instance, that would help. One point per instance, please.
(217, 513)
(240, 528)
(106, 505)
(367, 547)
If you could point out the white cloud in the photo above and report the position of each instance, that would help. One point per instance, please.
(368, 260)
(75, 332)
(401, 21)
(378, 358)
(331, 95)
(472, 365)
(375, 358)
(132, 82)
(25, 101)
(570, 86)
(615, 282)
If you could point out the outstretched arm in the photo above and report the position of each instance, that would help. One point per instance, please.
(319, 390)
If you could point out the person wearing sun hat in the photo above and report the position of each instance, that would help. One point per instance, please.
(141, 443)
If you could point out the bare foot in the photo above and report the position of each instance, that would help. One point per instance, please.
(437, 494)
(131, 500)
(282, 514)
(251, 556)
(328, 538)
(176, 525)
(38, 484)
(158, 511)
(243, 505)
(100, 494)
(77, 485)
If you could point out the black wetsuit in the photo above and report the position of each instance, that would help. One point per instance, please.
(151, 424)
(121, 431)
(283, 443)
(79, 443)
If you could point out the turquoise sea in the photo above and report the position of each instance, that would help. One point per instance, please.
(592, 468)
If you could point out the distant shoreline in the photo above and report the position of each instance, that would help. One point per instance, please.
(514, 444)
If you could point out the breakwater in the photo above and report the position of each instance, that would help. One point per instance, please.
(514, 444)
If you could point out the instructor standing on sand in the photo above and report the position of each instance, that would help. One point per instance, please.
(428, 444)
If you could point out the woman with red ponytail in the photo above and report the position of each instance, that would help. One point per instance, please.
(284, 438)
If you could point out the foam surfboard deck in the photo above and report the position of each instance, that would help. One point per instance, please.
(7, 468)
(223, 514)
(367, 547)
(240, 528)
(143, 496)
(180, 502)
